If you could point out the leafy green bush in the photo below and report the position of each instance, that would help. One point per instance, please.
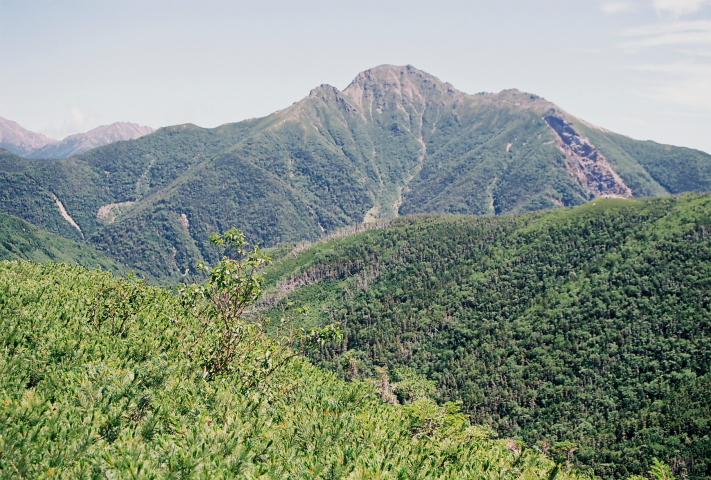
(216, 332)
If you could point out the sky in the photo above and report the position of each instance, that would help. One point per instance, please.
(641, 68)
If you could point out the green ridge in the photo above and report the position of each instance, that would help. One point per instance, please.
(20, 240)
(589, 325)
(396, 141)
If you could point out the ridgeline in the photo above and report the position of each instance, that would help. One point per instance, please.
(95, 383)
(589, 325)
(396, 141)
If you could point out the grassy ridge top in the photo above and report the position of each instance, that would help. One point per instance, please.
(93, 383)
(589, 324)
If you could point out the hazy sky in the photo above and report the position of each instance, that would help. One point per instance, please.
(638, 67)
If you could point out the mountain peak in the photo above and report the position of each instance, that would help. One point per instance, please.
(19, 140)
(115, 132)
(392, 84)
(393, 75)
(323, 88)
(35, 145)
(99, 136)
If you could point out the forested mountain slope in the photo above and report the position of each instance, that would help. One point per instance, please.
(395, 141)
(589, 324)
(20, 240)
(94, 382)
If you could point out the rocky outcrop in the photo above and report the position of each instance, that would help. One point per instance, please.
(585, 162)
(391, 87)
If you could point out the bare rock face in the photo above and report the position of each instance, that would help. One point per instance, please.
(586, 163)
(389, 86)
(21, 141)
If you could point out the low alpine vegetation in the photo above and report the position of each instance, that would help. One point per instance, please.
(100, 377)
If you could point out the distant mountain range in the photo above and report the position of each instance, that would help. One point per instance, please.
(396, 141)
(29, 144)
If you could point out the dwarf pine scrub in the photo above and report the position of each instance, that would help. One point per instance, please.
(95, 383)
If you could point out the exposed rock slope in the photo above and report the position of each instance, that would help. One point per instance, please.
(585, 162)
(20, 140)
